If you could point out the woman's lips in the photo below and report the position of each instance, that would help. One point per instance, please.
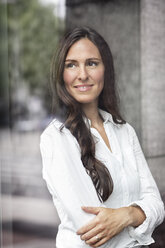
(84, 87)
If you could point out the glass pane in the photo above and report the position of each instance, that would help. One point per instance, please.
(30, 33)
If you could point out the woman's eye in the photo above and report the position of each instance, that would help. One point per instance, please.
(70, 65)
(92, 63)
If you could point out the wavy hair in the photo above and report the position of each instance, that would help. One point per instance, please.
(69, 111)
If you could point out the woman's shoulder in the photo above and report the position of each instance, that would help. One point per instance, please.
(128, 128)
(125, 132)
(54, 129)
(56, 135)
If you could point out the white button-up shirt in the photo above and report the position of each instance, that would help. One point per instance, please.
(71, 187)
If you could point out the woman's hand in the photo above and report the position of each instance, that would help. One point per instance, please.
(107, 223)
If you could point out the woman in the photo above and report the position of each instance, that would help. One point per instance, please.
(93, 165)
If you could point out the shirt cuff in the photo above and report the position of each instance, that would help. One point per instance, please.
(142, 233)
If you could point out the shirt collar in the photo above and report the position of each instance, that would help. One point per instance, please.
(107, 117)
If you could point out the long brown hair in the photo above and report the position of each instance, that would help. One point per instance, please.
(69, 111)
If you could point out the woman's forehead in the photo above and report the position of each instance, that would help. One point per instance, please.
(83, 48)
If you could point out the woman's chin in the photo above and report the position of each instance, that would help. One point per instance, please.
(86, 101)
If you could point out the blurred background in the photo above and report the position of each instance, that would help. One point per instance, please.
(29, 34)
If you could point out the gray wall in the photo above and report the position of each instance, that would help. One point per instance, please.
(153, 86)
(119, 23)
(135, 31)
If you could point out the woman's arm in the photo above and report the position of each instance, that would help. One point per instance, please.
(108, 223)
(136, 216)
(65, 175)
(149, 201)
(141, 217)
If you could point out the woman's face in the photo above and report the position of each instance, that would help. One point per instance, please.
(84, 72)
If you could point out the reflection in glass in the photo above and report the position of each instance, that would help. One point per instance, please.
(30, 33)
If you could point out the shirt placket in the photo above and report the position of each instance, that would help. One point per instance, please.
(116, 151)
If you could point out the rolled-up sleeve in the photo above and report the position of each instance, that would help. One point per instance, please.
(150, 201)
(66, 177)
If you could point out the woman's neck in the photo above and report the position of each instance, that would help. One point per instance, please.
(92, 113)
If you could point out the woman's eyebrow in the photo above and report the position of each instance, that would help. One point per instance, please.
(93, 58)
(70, 60)
(73, 60)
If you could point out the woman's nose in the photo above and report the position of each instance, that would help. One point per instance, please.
(83, 74)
